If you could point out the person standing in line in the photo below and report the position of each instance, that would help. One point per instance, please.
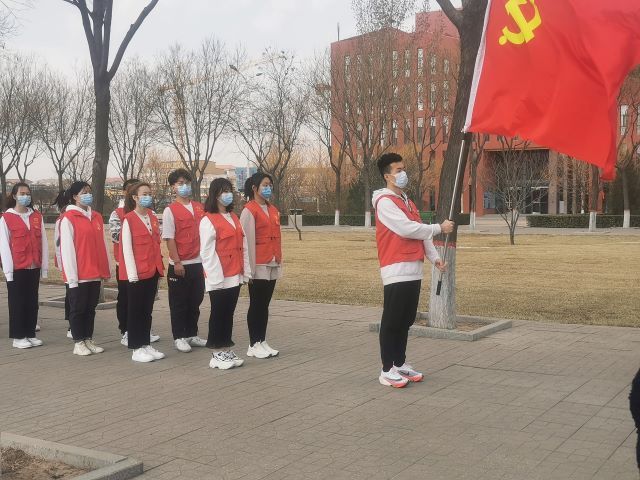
(223, 249)
(260, 220)
(402, 240)
(85, 264)
(142, 266)
(25, 257)
(634, 407)
(115, 226)
(61, 203)
(185, 277)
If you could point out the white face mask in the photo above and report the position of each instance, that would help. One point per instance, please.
(401, 179)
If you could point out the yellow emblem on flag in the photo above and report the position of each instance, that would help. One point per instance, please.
(527, 27)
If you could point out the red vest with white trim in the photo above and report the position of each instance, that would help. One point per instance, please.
(116, 249)
(229, 243)
(268, 238)
(392, 248)
(187, 234)
(88, 241)
(146, 247)
(26, 243)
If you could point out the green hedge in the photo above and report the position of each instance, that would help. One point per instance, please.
(579, 221)
(352, 220)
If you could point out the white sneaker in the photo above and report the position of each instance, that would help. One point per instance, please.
(197, 341)
(21, 343)
(221, 360)
(81, 349)
(37, 327)
(182, 345)
(237, 361)
(272, 351)
(125, 339)
(153, 338)
(409, 373)
(93, 347)
(392, 379)
(141, 355)
(69, 334)
(257, 351)
(35, 342)
(154, 353)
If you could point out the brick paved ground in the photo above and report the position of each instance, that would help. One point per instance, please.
(535, 402)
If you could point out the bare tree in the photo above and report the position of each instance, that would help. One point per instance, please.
(469, 21)
(96, 23)
(513, 175)
(198, 96)
(65, 123)
(156, 170)
(372, 15)
(130, 127)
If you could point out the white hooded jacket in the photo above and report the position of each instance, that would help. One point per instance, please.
(397, 221)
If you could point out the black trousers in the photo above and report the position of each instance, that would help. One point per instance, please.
(399, 313)
(185, 296)
(223, 306)
(634, 406)
(142, 295)
(122, 305)
(67, 309)
(83, 301)
(23, 303)
(260, 293)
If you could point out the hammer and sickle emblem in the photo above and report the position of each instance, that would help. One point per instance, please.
(527, 27)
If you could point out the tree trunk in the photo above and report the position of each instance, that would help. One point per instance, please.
(442, 307)
(196, 187)
(101, 161)
(626, 223)
(367, 197)
(338, 197)
(3, 200)
(419, 200)
(593, 198)
(473, 177)
(60, 182)
(574, 190)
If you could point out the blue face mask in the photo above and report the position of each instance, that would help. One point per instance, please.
(184, 190)
(145, 201)
(401, 179)
(226, 198)
(266, 192)
(23, 200)
(86, 199)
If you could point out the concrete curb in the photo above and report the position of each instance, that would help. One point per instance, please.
(105, 466)
(492, 325)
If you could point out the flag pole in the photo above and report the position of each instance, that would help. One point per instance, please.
(464, 152)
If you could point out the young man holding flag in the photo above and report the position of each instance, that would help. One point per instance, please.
(403, 241)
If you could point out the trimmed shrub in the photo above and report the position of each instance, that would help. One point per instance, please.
(578, 221)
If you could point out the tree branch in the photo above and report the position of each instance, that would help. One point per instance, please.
(452, 12)
(127, 38)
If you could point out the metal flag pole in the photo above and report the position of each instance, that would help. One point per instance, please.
(464, 152)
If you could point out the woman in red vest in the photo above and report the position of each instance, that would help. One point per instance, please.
(24, 254)
(223, 249)
(261, 223)
(61, 203)
(141, 265)
(85, 263)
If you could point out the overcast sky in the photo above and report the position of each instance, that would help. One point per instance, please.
(53, 31)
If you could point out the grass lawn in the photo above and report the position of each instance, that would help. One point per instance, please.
(559, 278)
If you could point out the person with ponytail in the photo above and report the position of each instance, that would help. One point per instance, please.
(85, 264)
(61, 203)
(225, 260)
(25, 258)
(141, 266)
(260, 220)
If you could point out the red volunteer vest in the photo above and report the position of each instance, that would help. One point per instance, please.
(392, 248)
(88, 241)
(229, 243)
(116, 249)
(146, 247)
(26, 243)
(268, 239)
(187, 235)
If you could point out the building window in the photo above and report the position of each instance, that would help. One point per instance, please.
(624, 118)
(432, 97)
(433, 61)
(407, 63)
(396, 93)
(445, 130)
(407, 131)
(445, 94)
(394, 57)
(420, 132)
(486, 137)
(346, 108)
(432, 130)
(359, 135)
(394, 132)
(446, 66)
(420, 97)
(347, 139)
(347, 67)
(420, 61)
(383, 134)
(370, 134)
